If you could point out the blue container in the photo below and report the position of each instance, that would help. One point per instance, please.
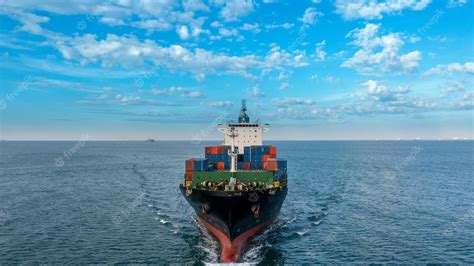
(280, 176)
(281, 164)
(240, 165)
(214, 158)
(256, 165)
(247, 158)
(256, 150)
(211, 167)
(256, 158)
(263, 149)
(201, 164)
(247, 151)
(227, 165)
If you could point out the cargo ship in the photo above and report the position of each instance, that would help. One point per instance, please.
(238, 188)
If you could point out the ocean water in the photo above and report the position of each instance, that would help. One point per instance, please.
(348, 202)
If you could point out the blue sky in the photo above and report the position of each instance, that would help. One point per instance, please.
(120, 69)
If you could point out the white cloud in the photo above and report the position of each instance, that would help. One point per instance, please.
(457, 3)
(228, 32)
(467, 67)
(310, 15)
(251, 27)
(222, 104)
(284, 86)
(320, 54)
(178, 91)
(152, 25)
(183, 32)
(285, 25)
(288, 102)
(380, 93)
(232, 10)
(380, 53)
(194, 5)
(255, 92)
(374, 9)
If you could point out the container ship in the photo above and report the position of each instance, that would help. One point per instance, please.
(238, 188)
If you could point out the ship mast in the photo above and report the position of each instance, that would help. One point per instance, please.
(232, 153)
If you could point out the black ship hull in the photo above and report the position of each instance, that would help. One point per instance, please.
(235, 216)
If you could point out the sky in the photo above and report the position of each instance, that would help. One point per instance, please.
(172, 70)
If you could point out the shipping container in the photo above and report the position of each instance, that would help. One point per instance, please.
(247, 151)
(211, 167)
(281, 164)
(272, 156)
(256, 158)
(266, 157)
(273, 150)
(247, 158)
(240, 165)
(201, 164)
(260, 149)
(256, 165)
(189, 165)
(271, 165)
(189, 175)
(220, 165)
(214, 158)
(246, 165)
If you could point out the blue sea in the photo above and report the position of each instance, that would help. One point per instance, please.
(348, 202)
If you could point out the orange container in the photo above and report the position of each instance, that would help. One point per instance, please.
(266, 157)
(246, 166)
(273, 150)
(220, 165)
(272, 156)
(271, 165)
(189, 175)
(190, 165)
(220, 149)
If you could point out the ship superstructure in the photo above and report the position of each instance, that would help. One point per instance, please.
(239, 187)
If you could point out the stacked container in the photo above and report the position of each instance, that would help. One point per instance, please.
(195, 164)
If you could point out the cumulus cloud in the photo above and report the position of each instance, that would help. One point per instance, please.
(380, 93)
(221, 104)
(380, 53)
(467, 67)
(128, 51)
(288, 102)
(251, 27)
(320, 54)
(374, 9)
(255, 92)
(183, 32)
(177, 91)
(233, 10)
(285, 25)
(310, 16)
(457, 3)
